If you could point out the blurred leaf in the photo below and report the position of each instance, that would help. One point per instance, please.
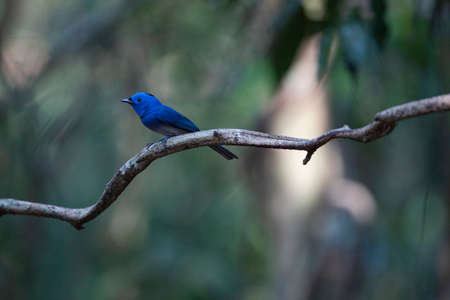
(325, 51)
(355, 45)
(379, 26)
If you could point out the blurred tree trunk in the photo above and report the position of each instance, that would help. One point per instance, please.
(290, 190)
(299, 202)
(301, 111)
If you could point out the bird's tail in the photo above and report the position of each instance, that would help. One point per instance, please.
(224, 152)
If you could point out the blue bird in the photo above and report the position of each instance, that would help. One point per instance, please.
(165, 120)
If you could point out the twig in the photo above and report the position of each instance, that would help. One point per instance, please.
(383, 124)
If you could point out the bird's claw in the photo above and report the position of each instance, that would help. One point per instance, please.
(163, 141)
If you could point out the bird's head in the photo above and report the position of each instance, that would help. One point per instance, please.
(141, 102)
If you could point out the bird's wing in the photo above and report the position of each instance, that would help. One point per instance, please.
(171, 117)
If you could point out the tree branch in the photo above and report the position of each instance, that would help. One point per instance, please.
(382, 125)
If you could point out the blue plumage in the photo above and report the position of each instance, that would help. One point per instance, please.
(165, 120)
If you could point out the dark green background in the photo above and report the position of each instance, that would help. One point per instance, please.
(189, 227)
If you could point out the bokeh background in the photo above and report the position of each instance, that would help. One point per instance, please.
(358, 222)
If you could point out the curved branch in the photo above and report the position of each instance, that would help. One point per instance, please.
(382, 125)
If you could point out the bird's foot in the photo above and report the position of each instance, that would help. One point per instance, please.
(163, 141)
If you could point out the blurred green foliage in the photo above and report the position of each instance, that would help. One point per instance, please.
(189, 227)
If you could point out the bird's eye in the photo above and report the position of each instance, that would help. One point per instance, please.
(139, 100)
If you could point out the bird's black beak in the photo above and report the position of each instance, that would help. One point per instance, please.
(127, 101)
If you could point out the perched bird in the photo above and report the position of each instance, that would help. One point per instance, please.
(165, 120)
